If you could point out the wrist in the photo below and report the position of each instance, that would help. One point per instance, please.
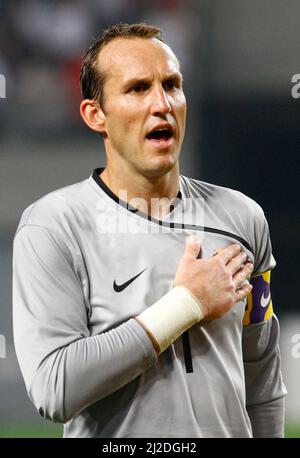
(170, 316)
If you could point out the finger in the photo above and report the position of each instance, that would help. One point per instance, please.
(192, 246)
(243, 283)
(242, 275)
(236, 262)
(229, 252)
(242, 293)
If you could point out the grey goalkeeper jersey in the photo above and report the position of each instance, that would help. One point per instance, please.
(85, 264)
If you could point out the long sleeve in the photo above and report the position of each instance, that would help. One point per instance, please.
(265, 389)
(65, 368)
(267, 419)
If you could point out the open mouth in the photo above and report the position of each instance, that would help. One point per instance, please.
(161, 134)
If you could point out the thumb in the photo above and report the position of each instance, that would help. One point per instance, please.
(192, 246)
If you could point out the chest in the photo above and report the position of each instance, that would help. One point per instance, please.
(127, 273)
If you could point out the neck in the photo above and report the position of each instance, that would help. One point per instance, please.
(140, 189)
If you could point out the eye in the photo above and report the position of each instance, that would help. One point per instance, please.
(171, 84)
(140, 87)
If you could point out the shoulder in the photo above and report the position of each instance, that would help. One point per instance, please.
(56, 208)
(229, 210)
(223, 198)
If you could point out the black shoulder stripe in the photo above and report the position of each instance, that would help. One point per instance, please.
(170, 225)
(229, 234)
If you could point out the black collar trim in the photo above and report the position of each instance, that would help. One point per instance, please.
(121, 202)
(171, 225)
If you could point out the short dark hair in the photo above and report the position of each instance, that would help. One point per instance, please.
(91, 78)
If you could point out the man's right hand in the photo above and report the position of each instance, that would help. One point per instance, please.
(218, 282)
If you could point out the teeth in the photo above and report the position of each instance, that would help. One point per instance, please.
(162, 129)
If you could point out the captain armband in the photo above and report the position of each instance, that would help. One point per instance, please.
(170, 316)
(259, 306)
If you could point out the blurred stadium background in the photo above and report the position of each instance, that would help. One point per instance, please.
(238, 58)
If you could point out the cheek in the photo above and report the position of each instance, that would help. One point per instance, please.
(124, 130)
(179, 101)
(125, 117)
(180, 109)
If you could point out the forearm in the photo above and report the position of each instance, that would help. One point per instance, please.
(265, 390)
(87, 370)
(267, 420)
(104, 363)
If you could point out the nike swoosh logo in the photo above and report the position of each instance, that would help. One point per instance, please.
(265, 300)
(119, 288)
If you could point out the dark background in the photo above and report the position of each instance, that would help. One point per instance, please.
(238, 58)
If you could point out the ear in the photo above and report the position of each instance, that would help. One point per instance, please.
(92, 115)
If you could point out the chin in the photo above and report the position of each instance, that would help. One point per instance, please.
(160, 166)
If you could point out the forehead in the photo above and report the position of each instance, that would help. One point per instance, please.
(133, 57)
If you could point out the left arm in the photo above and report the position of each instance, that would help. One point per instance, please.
(265, 390)
(264, 387)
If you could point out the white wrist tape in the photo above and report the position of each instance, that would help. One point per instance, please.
(171, 316)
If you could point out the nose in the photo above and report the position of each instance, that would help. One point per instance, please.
(160, 104)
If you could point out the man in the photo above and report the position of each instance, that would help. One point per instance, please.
(124, 326)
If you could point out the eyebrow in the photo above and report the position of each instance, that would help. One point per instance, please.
(146, 80)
